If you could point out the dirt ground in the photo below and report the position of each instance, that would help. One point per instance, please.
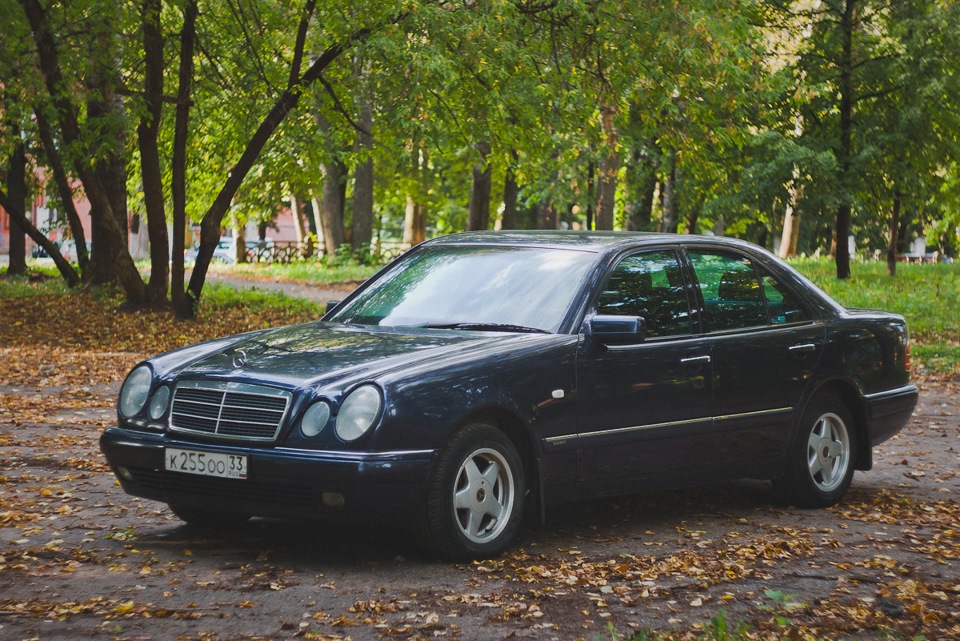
(80, 559)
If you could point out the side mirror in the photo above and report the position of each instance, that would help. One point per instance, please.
(331, 305)
(617, 330)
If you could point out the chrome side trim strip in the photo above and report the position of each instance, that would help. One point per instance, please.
(621, 430)
(900, 391)
(639, 428)
(779, 410)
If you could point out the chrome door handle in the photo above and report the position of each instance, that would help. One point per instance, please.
(695, 359)
(803, 347)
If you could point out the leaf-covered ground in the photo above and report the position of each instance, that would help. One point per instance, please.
(80, 559)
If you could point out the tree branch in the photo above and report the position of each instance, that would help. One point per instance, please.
(338, 106)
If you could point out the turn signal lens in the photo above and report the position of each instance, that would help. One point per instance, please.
(159, 402)
(315, 419)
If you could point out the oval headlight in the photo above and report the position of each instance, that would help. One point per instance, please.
(159, 402)
(359, 412)
(135, 390)
(315, 419)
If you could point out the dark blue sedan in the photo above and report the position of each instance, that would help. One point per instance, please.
(483, 374)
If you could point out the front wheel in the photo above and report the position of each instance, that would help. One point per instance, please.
(820, 462)
(475, 495)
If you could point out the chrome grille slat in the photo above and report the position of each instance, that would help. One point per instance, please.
(229, 410)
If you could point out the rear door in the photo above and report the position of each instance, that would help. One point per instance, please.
(765, 345)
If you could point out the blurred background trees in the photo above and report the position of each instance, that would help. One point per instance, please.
(791, 124)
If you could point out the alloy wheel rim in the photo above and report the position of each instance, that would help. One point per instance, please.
(828, 452)
(483, 495)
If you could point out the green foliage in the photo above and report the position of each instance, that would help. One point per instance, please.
(220, 296)
(38, 282)
(308, 271)
(737, 101)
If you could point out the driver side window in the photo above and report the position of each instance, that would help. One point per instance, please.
(649, 285)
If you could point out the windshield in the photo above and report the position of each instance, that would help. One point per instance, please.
(470, 287)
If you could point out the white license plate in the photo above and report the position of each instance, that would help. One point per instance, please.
(230, 466)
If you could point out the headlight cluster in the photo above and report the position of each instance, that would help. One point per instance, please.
(136, 391)
(358, 413)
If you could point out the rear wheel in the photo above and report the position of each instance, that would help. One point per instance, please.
(475, 495)
(207, 519)
(820, 462)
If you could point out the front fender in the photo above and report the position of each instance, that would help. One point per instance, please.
(535, 381)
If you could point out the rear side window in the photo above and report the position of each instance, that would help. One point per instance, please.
(781, 303)
(649, 285)
(736, 295)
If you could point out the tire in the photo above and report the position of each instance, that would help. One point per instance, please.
(820, 463)
(207, 519)
(475, 496)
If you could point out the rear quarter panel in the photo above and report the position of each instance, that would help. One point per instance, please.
(867, 355)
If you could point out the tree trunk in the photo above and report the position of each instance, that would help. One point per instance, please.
(547, 216)
(331, 207)
(609, 168)
(641, 213)
(845, 142)
(148, 132)
(109, 238)
(64, 189)
(894, 236)
(300, 227)
(184, 304)
(297, 215)
(362, 225)
(590, 219)
(50, 69)
(510, 192)
(239, 234)
(669, 223)
(108, 151)
(642, 186)
(415, 218)
(693, 217)
(791, 223)
(414, 223)
(719, 226)
(15, 204)
(479, 217)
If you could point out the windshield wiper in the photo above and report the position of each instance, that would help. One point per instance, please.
(489, 327)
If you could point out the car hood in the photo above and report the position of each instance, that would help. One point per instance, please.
(316, 354)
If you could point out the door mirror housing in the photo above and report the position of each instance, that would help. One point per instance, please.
(617, 330)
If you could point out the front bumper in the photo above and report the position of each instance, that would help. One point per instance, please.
(341, 486)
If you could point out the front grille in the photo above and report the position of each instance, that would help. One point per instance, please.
(229, 410)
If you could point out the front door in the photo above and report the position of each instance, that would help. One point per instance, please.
(644, 410)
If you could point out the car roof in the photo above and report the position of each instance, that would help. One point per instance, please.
(596, 241)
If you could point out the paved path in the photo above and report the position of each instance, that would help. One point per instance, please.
(317, 292)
